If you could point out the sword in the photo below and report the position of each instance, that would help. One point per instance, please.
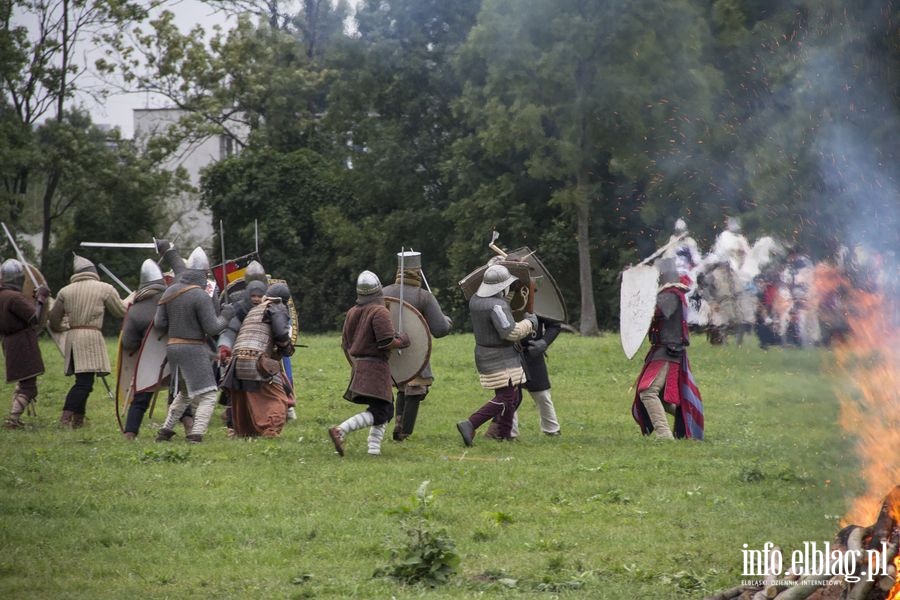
(106, 385)
(150, 245)
(114, 278)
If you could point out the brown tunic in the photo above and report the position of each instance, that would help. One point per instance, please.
(368, 326)
(20, 340)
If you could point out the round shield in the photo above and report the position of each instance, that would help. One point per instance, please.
(408, 362)
(28, 290)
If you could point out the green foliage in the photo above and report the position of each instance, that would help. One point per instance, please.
(164, 454)
(427, 555)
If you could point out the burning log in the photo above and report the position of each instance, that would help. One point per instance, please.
(874, 577)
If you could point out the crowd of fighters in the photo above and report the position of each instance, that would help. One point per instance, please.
(236, 349)
(768, 287)
(237, 352)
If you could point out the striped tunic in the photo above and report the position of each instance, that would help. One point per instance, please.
(83, 304)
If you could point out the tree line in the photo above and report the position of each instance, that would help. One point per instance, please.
(579, 128)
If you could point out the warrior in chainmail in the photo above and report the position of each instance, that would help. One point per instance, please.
(411, 393)
(83, 304)
(138, 320)
(18, 317)
(188, 314)
(259, 391)
(497, 360)
(367, 340)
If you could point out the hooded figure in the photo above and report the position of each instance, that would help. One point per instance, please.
(18, 317)
(258, 388)
(367, 340)
(82, 304)
(666, 384)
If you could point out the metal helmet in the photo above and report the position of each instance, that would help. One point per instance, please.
(367, 283)
(279, 290)
(198, 260)
(409, 260)
(733, 224)
(150, 273)
(496, 279)
(680, 226)
(255, 272)
(668, 272)
(12, 274)
(80, 264)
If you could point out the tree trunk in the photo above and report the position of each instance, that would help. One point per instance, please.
(49, 192)
(588, 324)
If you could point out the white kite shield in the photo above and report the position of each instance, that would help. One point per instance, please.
(636, 306)
(406, 364)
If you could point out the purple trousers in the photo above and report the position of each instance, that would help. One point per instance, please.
(503, 406)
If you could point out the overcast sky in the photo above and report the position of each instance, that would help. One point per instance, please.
(116, 110)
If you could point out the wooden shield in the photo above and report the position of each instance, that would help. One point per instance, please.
(151, 369)
(28, 290)
(548, 300)
(637, 305)
(409, 362)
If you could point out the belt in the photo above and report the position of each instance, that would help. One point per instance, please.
(85, 327)
(178, 340)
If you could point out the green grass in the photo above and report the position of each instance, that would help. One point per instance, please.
(599, 512)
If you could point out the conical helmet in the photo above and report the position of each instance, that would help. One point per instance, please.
(198, 260)
(12, 274)
(150, 273)
(255, 272)
(680, 226)
(367, 283)
(80, 264)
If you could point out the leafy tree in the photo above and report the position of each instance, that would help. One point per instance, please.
(40, 75)
(292, 195)
(549, 83)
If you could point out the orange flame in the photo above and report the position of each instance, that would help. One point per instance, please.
(869, 360)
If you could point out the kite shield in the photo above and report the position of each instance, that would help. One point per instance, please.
(409, 362)
(152, 368)
(637, 305)
(548, 300)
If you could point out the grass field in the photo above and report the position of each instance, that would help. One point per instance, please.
(600, 512)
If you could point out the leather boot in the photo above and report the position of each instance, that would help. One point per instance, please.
(399, 406)
(410, 413)
(19, 404)
(129, 435)
(65, 420)
(77, 421)
(658, 418)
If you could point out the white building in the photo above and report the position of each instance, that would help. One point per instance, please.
(191, 223)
